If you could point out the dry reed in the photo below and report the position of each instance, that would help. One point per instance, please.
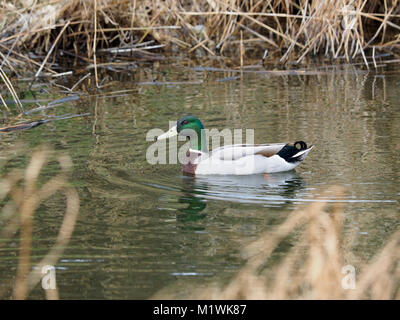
(312, 268)
(292, 29)
(20, 188)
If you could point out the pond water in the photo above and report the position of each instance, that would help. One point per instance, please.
(143, 227)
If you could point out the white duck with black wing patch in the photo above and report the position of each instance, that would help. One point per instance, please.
(234, 159)
(251, 159)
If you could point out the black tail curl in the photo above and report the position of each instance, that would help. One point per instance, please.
(303, 145)
(288, 151)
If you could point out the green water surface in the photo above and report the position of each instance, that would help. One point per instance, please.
(143, 227)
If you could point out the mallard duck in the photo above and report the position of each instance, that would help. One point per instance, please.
(237, 159)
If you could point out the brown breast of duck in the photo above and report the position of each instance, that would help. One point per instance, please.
(189, 167)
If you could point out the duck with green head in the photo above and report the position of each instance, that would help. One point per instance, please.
(237, 159)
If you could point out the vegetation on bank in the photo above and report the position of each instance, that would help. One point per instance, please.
(289, 29)
(35, 35)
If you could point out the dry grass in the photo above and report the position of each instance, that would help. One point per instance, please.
(312, 268)
(34, 35)
(290, 29)
(20, 198)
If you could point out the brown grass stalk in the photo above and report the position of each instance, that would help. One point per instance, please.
(11, 89)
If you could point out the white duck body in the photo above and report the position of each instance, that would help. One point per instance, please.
(245, 159)
(234, 159)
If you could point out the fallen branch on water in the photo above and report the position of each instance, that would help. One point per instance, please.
(36, 123)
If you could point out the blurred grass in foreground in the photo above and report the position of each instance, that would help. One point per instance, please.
(21, 194)
(311, 269)
(314, 268)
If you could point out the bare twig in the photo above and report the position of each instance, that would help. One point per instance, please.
(51, 50)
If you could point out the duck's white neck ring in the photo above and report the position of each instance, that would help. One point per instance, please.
(195, 151)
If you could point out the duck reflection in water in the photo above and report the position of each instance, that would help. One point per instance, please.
(261, 188)
(192, 195)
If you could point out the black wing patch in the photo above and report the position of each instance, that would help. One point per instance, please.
(288, 151)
